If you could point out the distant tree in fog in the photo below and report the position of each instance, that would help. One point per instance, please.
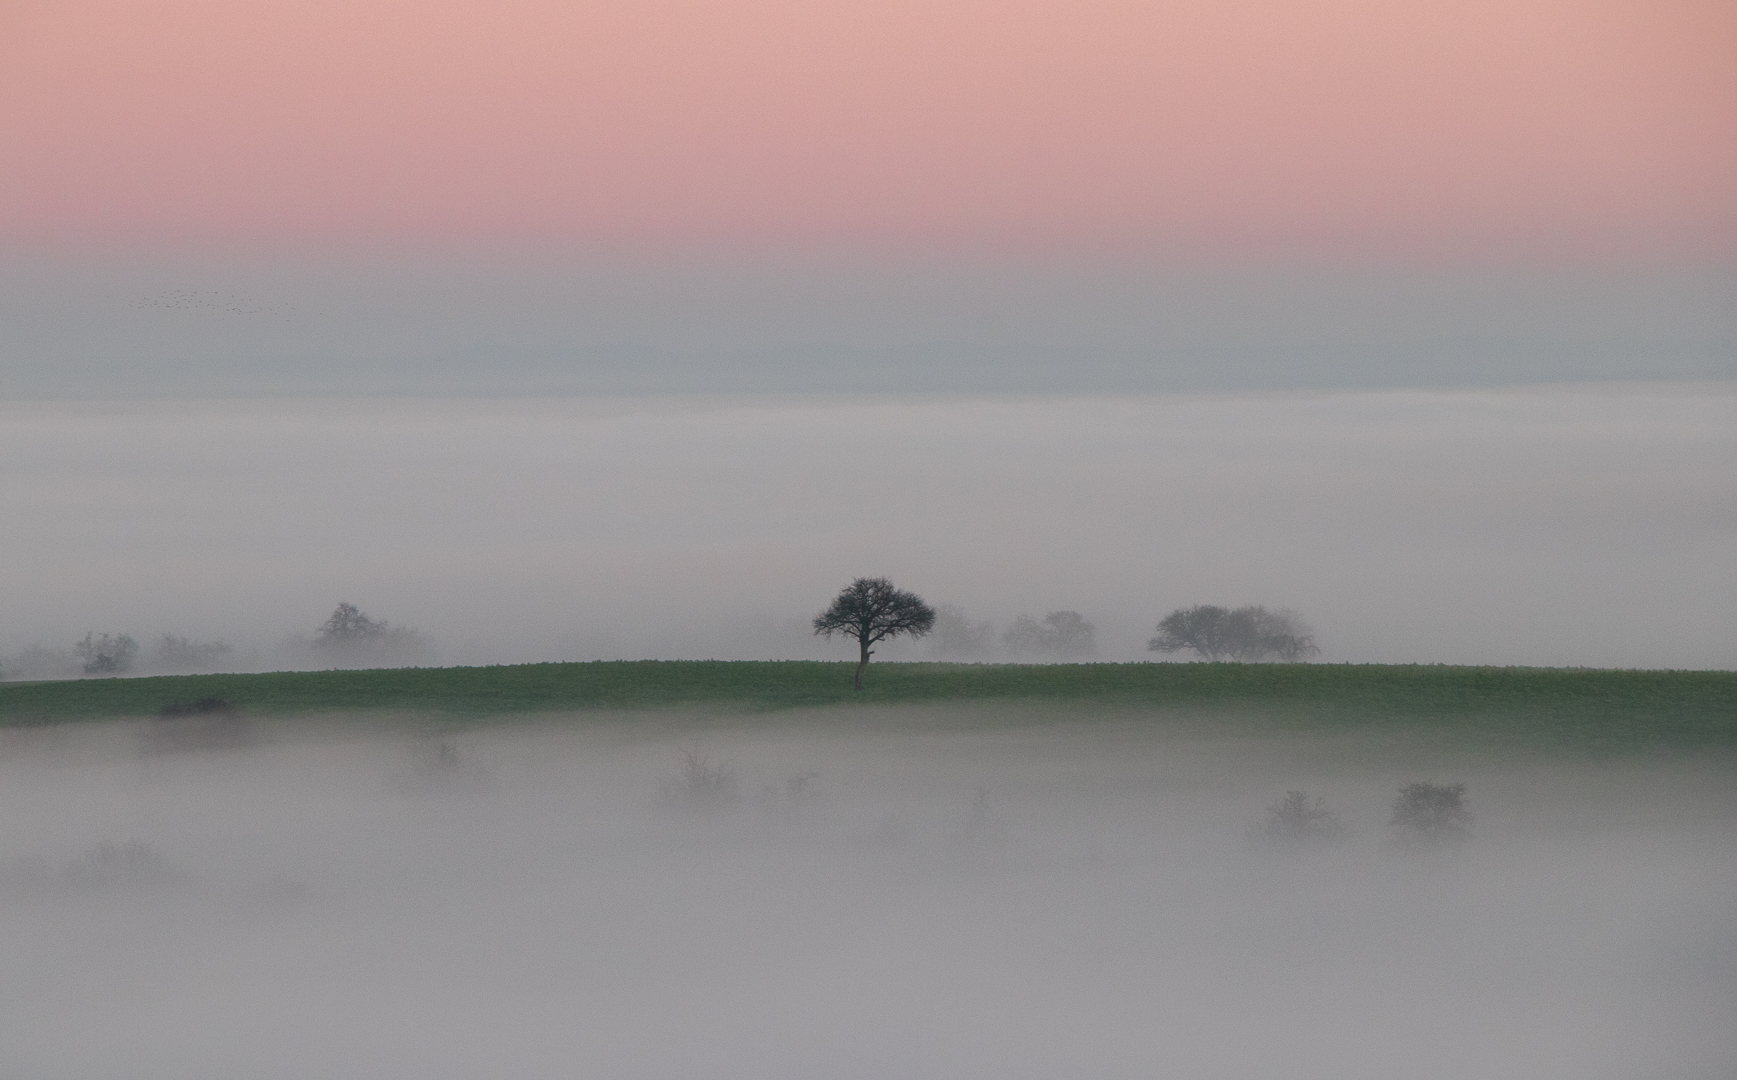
(350, 625)
(351, 636)
(173, 653)
(1063, 635)
(956, 637)
(1248, 633)
(107, 655)
(871, 610)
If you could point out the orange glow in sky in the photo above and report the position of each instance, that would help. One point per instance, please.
(1345, 127)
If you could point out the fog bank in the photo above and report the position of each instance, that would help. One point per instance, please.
(857, 894)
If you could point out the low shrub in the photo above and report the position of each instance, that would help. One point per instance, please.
(1428, 813)
(1299, 819)
(701, 785)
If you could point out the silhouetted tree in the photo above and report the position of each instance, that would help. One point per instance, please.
(107, 655)
(872, 610)
(1248, 633)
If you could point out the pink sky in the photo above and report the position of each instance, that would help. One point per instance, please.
(1562, 128)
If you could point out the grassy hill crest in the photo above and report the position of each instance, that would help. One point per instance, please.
(1586, 706)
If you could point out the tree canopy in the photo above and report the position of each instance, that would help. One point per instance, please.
(871, 610)
(1247, 633)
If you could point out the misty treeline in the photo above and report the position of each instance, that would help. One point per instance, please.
(350, 638)
(871, 610)
(121, 654)
(1058, 635)
(1247, 633)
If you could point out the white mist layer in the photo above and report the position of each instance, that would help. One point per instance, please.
(911, 896)
(1567, 525)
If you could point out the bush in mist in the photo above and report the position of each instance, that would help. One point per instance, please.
(178, 654)
(133, 864)
(701, 785)
(956, 637)
(1298, 819)
(107, 655)
(1247, 633)
(443, 767)
(983, 829)
(872, 610)
(1431, 813)
(799, 792)
(801, 787)
(1062, 635)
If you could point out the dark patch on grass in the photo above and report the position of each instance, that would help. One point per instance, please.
(205, 723)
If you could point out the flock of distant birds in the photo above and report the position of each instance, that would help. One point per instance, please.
(213, 302)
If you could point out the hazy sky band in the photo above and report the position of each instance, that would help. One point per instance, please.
(156, 326)
(1301, 128)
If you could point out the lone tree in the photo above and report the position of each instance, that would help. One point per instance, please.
(1248, 633)
(872, 610)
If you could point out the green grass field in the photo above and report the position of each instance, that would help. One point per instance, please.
(1560, 706)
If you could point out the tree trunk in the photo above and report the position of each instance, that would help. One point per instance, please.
(862, 664)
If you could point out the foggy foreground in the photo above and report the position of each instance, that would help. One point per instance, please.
(864, 894)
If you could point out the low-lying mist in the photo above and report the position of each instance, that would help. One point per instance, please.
(995, 892)
(1573, 525)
